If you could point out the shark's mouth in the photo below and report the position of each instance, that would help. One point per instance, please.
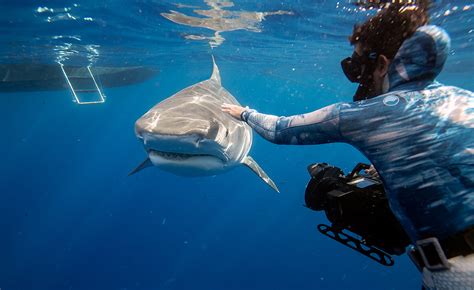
(178, 156)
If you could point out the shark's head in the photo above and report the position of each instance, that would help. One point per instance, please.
(188, 134)
(192, 136)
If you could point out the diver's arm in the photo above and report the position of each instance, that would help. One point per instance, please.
(321, 126)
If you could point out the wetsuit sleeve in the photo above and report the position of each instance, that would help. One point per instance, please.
(318, 127)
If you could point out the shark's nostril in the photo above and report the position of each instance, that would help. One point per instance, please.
(198, 141)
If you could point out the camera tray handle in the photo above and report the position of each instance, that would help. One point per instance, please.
(360, 166)
(365, 249)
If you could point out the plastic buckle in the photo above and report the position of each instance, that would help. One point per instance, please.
(422, 246)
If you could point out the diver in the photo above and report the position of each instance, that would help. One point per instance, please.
(417, 133)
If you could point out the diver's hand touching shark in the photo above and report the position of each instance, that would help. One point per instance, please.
(233, 110)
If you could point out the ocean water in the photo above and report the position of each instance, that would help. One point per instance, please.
(71, 218)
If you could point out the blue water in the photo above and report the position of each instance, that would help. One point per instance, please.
(71, 218)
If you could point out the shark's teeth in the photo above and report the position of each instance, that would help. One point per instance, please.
(176, 156)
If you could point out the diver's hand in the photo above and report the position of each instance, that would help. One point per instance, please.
(372, 172)
(234, 110)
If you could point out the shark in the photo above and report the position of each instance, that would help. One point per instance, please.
(188, 134)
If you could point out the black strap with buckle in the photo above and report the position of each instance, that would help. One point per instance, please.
(434, 254)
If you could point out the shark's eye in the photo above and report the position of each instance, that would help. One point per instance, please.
(226, 133)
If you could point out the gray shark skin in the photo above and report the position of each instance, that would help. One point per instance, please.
(188, 134)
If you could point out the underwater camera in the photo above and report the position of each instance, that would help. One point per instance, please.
(357, 207)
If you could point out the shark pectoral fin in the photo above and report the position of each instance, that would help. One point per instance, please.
(250, 163)
(143, 165)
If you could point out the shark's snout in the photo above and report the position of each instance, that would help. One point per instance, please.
(181, 138)
(180, 127)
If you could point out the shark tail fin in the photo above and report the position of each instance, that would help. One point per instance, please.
(252, 164)
(146, 163)
(215, 72)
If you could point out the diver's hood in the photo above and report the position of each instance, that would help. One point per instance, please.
(420, 59)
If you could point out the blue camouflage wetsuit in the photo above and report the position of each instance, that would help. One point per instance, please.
(419, 136)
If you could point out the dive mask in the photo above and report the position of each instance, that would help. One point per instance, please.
(359, 68)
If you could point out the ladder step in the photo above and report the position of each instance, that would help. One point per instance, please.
(74, 91)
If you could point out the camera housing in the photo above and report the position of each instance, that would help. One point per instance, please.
(356, 204)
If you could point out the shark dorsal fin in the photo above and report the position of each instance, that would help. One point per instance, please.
(216, 76)
(250, 163)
